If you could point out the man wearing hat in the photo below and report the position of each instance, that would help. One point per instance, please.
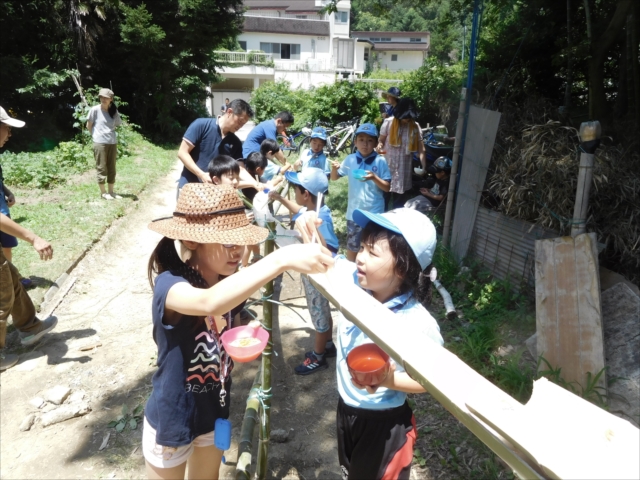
(14, 299)
(392, 96)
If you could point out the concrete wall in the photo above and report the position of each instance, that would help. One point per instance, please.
(406, 60)
(306, 79)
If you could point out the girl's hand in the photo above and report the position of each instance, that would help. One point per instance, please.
(307, 259)
(11, 200)
(307, 224)
(259, 186)
(297, 164)
(388, 381)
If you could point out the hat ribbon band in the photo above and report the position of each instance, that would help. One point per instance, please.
(219, 212)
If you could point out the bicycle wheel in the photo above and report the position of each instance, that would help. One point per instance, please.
(348, 145)
(303, 144)
(285, 144)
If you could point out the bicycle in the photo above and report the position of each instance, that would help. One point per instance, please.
(289, 143)
(342, 137)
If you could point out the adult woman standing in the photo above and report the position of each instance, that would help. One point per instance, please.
(400, 137)
(101, 123)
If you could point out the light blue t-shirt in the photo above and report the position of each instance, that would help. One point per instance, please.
(315, 160)
(410, 316)
(271, 171)
(326, 229)
(260, 132)
(366, 195)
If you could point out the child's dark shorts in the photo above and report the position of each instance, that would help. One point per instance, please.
(354, 232)
(8, 241)
(375, 444)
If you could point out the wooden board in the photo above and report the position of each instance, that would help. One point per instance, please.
(568, 313)
(478, 145)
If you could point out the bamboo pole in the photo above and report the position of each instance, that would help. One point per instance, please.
(454, 168)
(267, 314)
(248, 425)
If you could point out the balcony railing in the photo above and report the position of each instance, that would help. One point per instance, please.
(263, 13)
(310, 65)
(244, 58)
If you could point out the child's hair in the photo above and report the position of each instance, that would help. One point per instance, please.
(254, 161)
(165, 258)
(286, 117)
(223, 165)
(407, 267)
(313, 197)
(269, 145)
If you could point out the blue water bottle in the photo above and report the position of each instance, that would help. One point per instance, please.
(222, 435)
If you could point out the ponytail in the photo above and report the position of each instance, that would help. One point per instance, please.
(165, 258)
(113, 109)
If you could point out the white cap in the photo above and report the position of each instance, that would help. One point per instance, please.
(13, 122)
(415, 227)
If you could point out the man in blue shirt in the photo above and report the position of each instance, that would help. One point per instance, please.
(268, 129)
(207, 138)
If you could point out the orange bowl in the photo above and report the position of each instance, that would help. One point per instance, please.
(368, 364)
(244, 354)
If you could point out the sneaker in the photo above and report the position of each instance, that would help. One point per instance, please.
(29, 338)
(106, 196)
(8, 361)
(116, 196)
(311, 364)
(26, 282)
(329, 352)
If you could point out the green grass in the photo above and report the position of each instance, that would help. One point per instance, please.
(72, 216)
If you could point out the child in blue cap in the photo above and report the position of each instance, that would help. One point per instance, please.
(369, 179)
(308, 184)
(314, 156)
(376, 427)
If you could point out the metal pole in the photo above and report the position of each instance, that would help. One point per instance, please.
(454, 168)
(590, 139)
(265, 430)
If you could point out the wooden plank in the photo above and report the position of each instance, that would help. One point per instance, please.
(568, 314)
(548, 438)
(481, 135)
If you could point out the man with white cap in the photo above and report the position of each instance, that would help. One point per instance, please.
(14, 299)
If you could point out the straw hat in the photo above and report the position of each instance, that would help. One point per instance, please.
(208, 213)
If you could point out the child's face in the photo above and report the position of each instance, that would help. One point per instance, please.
(316, 145)
(365, 144)
(301, 198)
(228, 178)
(441, 175)
(376, 269)
(216, 258)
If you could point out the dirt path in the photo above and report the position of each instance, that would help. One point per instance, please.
(109, 305)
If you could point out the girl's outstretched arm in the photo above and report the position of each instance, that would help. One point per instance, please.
(231, 291)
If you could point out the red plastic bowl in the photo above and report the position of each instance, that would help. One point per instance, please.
(368, 364)
(244, 354)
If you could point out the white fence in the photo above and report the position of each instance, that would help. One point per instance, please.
(311, 65)
(276, 14)
(243, 57)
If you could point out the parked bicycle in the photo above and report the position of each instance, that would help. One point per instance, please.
(342, 137)
(294, 143)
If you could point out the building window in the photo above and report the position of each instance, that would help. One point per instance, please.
(243, 45)
(366, 54)
(415, 39)
(374, 39)
(342, 17)
(301, 16)
(286, 51)
(385, 39)
(394, 58)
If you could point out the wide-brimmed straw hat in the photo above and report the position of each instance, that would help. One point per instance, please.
(208, 213)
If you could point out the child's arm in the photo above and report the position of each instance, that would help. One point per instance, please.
(11, 199)
(384, 185)
(334, 170)
(401, 382)
(292, 206)
(427, 193)
(232, 290)
(184, 154)
(247, 181)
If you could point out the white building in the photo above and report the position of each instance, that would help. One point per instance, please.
(290, 40)
(396, 50)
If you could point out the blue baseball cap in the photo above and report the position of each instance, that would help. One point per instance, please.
(312, 179)
(368, 128)
(320, 133)
(415, 227)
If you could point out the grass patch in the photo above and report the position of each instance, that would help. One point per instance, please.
(71, 215)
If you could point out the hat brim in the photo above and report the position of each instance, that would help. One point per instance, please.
(13, 122)
(387, 95)
(363, 218)
(292, 177)
(245, 235)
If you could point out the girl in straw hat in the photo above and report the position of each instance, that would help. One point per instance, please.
(193, 293)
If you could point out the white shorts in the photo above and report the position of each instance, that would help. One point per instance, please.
(169, 457)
